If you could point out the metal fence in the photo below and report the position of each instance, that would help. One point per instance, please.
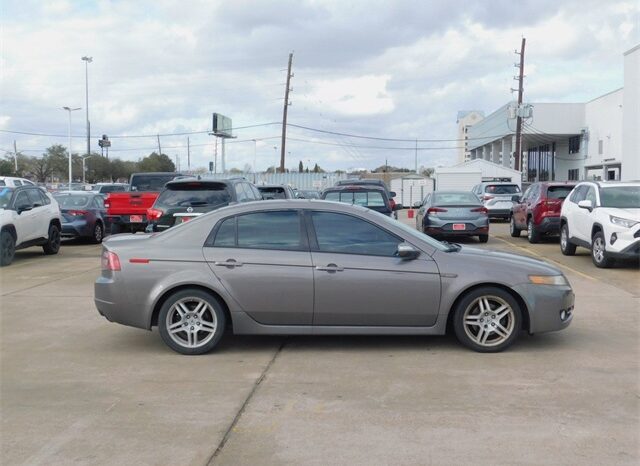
(317, 181)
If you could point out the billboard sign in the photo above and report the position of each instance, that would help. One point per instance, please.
(222, 126)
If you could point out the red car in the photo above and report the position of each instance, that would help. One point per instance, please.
(538, 210)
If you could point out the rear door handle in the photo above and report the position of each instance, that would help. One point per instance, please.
(330, 268)
(228, 263)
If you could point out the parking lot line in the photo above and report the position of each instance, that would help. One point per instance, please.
(560, 264)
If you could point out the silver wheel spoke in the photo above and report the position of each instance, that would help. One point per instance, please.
(191, 311)
(490, 331)
(195, 337)
(502, 311)
(207, 326)
(176, 327)
(200, 308)
(500, 330)
(182, 309)
(472, 320)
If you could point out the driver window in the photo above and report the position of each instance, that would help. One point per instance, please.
(591, 195)
(22, 200)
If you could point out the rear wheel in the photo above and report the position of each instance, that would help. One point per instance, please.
(191, 322)
(7, 248)
(599, 251)
(532, 232)
(513, 229)
(566, 247)
(487, 320)
(52, 246)
(483, 238)
(98, 233)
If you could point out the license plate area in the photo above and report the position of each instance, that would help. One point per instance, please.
(135, 218)
(459, 226)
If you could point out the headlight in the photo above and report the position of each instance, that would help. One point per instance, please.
(623, 222)
(548, 280)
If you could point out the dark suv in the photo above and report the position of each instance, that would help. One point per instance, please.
(374, 182)
(185, 198)
(372, 197)
(276, 191)
(538, 210)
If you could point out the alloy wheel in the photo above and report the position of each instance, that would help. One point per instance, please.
(563, 238)
(598, 249)
(489, 321)
(191, 322)
(97, 233)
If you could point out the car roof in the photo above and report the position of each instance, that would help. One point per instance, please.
(359, 187)
(191, 180)
(272, 186)
(76, 192)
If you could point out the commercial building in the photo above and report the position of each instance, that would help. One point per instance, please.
(598, 139)
(466, 119)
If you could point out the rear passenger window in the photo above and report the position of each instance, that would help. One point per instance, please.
(270, 230)
(240, 194)
(226, 235)
(34, 197)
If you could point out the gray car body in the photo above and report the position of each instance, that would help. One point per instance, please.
(476, 223)
(405, 297)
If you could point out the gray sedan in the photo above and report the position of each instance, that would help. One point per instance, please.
(307, 267)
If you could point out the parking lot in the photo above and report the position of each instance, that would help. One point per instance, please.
(78, 389)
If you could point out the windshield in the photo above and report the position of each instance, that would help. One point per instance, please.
(455, 199)
(361, 198)
(193, 197)
(5, 197)
(150, 182)
(272, 193)
(558, 192)
(72, 201)
(502, 189)
(622, 197)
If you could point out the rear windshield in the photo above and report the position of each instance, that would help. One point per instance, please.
(5, 197)
(622, 197)
(72, 200)
(194, 196)
(502, 189)
(558, 192)
(150, 182)
(362, 198)
(455, 199)
(272, 193)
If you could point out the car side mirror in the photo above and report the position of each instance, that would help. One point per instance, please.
(407, 252)
(417, 204)
(398, 207)
(23, 208)
(392, 194)
(515, 198)
(586, 205)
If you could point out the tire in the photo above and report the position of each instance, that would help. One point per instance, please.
(7, 248)
(116, 228)
(513, 229)
(185, 337)
(98, 233)
(599, 254)
(532, 232)
(478, 327)
(566, 246)
(52, 246)
(483, 238)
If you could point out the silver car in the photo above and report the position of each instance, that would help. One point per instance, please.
(308, 267)
(497, 197)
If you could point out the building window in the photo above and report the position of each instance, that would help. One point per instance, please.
(600, 147)
(574, 174)
(574, 144)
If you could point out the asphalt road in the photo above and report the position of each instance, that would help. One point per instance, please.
(77, 389)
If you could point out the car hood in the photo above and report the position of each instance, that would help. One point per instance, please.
(516, 262)
(631, 214)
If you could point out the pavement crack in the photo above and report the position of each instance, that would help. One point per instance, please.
(242, 409)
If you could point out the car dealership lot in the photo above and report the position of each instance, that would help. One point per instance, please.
(75, 388)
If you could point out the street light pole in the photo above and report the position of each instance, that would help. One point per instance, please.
(69, 109)
(87, 60)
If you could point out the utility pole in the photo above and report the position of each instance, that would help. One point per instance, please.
(284, 114)
(15, 156)
(518, 154)
(188, 155)
(159, 147)
(86, 61)
(416, 156)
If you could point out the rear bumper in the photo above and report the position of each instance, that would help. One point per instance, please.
(76, 229)
(549, 225)
(448, 230)
(499, 213)
(110, 300)
(125, 220)
(437, 226)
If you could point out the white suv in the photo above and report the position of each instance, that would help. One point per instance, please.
(29, 216)
(603, 217)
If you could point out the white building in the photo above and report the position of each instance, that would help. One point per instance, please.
(569, 141)
(466, 119)
(464, 176)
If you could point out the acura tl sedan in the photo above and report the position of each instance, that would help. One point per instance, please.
(309, 267)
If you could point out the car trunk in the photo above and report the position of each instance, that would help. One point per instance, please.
(455, 212)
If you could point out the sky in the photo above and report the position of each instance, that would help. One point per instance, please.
(385, 69)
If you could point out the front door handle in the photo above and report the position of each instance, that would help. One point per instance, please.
(228, 263)
(330, 268)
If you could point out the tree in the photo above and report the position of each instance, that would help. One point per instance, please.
(390, 169)
(58, 159)
(300, 167)
(41, 167)
(156, 163)
(7, 167)
(317, 169)
(427, 172)
(235, 171)
(122, 169)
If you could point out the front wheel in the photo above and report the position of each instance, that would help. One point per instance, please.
(7, 248)
(599, 252)
(52, 246)
(566, 247)
(514, 231)
(487, 320)
(191, 322)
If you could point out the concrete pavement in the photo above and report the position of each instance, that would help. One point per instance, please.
(77, 389)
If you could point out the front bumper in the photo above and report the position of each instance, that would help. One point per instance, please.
(623, 243)
(550, 307)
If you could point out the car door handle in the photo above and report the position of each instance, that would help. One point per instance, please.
(330, 268)
(228, 263)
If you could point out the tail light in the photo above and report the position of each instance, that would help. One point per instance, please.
(483, 210)
(77, 213)
(435, 210)
(110, 261)
(107, 204)
(154, 214)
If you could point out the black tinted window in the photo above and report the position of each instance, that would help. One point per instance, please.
(350, 235)
(622, 197)
(273, 193)
(194, 196)
(150, 182)
(34, 197)
(22, 200)
(270, 230)
(502, 189)
(578, 194)
(226, 235)
(558, 192)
